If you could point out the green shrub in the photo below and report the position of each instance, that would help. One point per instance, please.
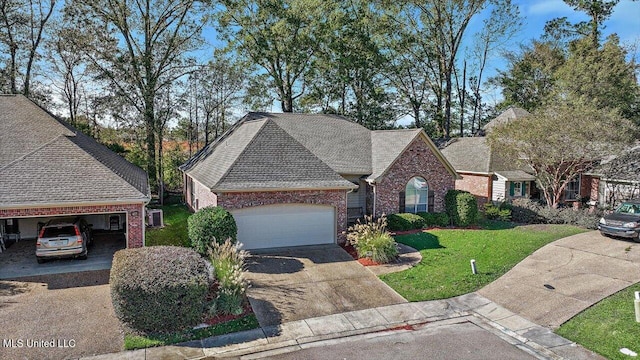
(405, 221)
(381, 248)
(208, 225)
(228, 263)
(462, 207)
(159, 289)
(531, 212)
(493, 212)
(434, 219)
(372, 240)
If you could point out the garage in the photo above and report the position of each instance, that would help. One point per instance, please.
(52, 170)
(285, 225)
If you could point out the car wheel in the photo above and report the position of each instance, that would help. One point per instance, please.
(605, 235)
(41, 260)
(637, 238)
(83, 257)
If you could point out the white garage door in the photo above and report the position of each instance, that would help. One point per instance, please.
(271, 226)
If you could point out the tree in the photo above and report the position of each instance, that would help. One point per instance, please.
(22, 28)
(282, 38)
(597, 10)
(561, 141)
(601, 74)
(69, 72)
(530, 77)
(347, 76)
(140, 49)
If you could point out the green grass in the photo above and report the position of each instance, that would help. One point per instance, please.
(132, 342)
(174, 231)
(445, 269)
(607, 326)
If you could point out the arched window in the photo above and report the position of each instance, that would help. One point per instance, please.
(416, 195)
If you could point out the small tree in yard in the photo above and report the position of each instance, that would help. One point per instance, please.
(561, 141)
(211, 224)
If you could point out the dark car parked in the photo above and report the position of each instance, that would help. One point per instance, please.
(623, 222)
(66, 237)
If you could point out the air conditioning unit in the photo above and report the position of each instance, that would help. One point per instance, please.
(154, 218)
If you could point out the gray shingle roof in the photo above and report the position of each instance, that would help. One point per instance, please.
(469, 154)
(296, 151)
(386, 147)
(45, 161)
(623, 168)
(505, 117)
(273, 159)
(340, 143)
(516, 175)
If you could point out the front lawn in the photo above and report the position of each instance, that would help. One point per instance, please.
(174, 231)
(607, 326)
(132, 342)
(445, 270)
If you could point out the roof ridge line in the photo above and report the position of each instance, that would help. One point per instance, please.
(33, 151)
(207, 150)
(309, 150)
(253, 138)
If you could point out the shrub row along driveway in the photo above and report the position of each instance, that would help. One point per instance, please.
(73, 310)
(311, 281)
(578, 271)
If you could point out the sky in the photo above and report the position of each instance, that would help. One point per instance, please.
(625, 21)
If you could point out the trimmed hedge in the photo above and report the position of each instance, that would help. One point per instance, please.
(404, 221)
(159, 289)
(211, 224)
(434, 219)
(501, 212)
(409, 221)
(462, 207)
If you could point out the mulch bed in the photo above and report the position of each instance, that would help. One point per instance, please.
(354, 254)
(222, 318)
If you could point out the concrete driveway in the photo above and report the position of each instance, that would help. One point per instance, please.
(565, 277)
(73, 309)
(311, 281)
(19, 259)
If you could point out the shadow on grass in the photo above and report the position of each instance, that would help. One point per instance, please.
(420, 241)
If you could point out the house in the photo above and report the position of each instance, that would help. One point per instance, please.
(297, 179)
(490, 177)
(483, 172)
(50, 169)
(615, 180)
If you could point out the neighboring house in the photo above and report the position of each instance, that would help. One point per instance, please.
(483, 172)
(490, 177)
(49, 169)
(616, 180)
(296, 179)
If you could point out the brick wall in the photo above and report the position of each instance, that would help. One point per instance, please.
(203, 195)
(335, 198)
(417, 160)
(476, 184)
(589, 187)
(135, 216)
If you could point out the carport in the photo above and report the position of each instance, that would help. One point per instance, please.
(50, 169)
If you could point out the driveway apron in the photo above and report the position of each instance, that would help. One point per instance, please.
(311, 281)
(565, 277)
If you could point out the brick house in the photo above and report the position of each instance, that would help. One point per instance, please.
(298, 179)
(50, 169)
(615, 180)
(489, 177)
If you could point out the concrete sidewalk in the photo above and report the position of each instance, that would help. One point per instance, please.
(517, 331)
(563, 278)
